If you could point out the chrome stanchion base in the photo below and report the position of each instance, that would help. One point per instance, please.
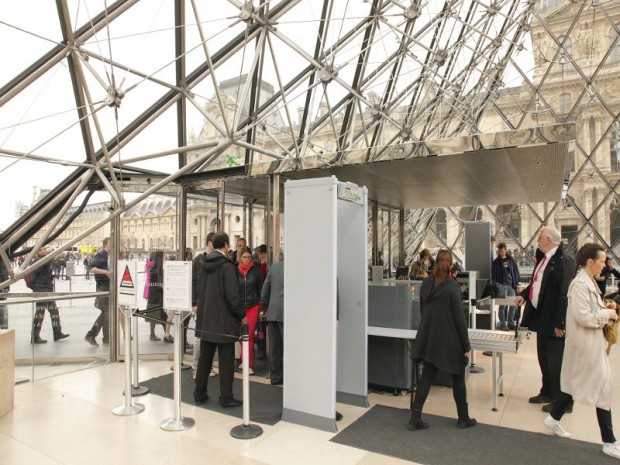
(124, 410)
(246, 431)
(172, 424)
(139, 390)
(476, 369)
(183, 367)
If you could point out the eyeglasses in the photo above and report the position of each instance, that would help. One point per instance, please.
(246, 257)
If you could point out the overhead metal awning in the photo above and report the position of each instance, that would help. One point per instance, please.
(520, 166)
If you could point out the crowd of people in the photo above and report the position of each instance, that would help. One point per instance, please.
(563, 306)
(230, 289)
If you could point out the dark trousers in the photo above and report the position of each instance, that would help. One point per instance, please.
(4, 315)
(226, 358)
(550, 352)
(103, 320)
(276, 351)
(459, 390)
(564, 400)
(39, 316)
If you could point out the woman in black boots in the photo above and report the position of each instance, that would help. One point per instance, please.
(442, 342)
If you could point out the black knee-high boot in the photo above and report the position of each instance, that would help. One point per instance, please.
(464, 420)
(415, 422)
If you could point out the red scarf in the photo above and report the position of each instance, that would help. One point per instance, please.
(245, 268)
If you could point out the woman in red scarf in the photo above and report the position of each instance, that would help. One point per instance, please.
(250, 285)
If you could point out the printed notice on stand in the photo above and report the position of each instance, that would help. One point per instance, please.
(178, 286)
(126, 273)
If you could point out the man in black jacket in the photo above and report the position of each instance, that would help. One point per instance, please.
(43, 281)
(196, 271)
(506, 272)
(546, 299)
(100, 267)
(218, 319)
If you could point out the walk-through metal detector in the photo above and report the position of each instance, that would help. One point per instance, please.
(325, 299)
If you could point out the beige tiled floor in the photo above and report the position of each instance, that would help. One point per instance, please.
(67, 419)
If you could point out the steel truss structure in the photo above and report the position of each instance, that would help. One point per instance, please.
(347, 75)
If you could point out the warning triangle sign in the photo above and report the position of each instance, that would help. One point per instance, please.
(127, 281)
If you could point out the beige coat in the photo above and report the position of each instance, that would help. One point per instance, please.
(586, 374)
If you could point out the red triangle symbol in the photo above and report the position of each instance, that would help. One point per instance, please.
(127, 281)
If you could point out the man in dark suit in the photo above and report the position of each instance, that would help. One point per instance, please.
(218, 320)
(272, 296)
(546, 299)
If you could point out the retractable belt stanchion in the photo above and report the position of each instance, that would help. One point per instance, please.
(183, 365)
(473, 368)
(136, 389)
(129, 407)
(177, 423)
(246, 430)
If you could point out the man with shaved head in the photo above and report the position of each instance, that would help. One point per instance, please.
(546, 300)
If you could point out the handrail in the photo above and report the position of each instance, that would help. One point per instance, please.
(46, 296)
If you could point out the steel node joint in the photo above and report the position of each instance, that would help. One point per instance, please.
(412, 12)
(327, 74)
(114, 97)
(246, 12)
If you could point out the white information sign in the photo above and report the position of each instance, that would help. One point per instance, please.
(127, 281)
(178, 286)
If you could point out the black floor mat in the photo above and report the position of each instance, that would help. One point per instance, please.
(265, 400)
(384, 430)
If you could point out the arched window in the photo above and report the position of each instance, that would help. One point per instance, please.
(509, 220)
(441, 224)
(615, 52)
(565, 103)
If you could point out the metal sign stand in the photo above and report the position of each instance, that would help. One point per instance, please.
(246, 430)
(129, 407)
(177, 423)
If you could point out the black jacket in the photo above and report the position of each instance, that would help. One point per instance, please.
(606, 273)
(497, 271)
(553, 297)
(250, 286)
(196, 271)
(219, 313)
(43, 278)
(442, 338)
(155, 302)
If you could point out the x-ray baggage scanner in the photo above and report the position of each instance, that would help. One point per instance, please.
(325, 299)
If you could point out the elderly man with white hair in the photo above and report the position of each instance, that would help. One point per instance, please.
(546, 300)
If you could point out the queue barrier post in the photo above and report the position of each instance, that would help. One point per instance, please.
(178, 422)
(129, 407)
(136, 389)
(246, 430)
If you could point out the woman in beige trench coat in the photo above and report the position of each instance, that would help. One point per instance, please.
(586, 375)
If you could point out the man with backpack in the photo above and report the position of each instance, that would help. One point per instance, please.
(42, 280)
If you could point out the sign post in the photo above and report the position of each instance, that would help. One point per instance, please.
(177, 297)
(127, 299)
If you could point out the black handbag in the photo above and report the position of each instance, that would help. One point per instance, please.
(494, 290)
